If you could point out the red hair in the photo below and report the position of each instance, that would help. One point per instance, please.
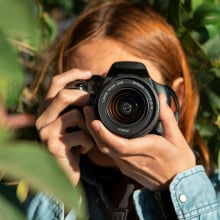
(147, 35)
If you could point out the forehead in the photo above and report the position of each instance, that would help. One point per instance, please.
(98, 56)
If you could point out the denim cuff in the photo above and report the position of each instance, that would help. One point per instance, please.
(193, 194)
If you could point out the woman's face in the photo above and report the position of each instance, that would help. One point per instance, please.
(99, 55)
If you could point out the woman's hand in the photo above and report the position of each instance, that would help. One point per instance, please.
(151, 160)
(52, 122)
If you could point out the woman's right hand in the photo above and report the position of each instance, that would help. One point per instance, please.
(52, 124)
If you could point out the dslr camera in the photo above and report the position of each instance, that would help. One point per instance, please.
(126, 100)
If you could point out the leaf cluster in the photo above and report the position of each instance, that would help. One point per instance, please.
(197, 23)
(26, 28)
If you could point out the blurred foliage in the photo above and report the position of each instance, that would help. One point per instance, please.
(197, 23)
(25, 29)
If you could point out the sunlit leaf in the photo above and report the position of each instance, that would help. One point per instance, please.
(22, 190)
(207, 13)
(218, 121)
(212, 30)
(195, 4)
(38, 168)
(52, 27)
(219, 160)
(19, 20)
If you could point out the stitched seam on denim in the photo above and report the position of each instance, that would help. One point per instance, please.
(175, 184)
(209, 208)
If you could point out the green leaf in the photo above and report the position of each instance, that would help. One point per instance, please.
(207, 13)
(8, 211)
(212, 30)
(205, 128)
(219, 160)
(215, 99)
(12, 77)
(68, 4)
(194, 49)
(212, 50)
(37, 167)
(218, 121)
(52, 26)
(19, 20)
(22, 190)
(195, 4)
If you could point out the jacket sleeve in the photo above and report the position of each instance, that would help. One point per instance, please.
(192, 196)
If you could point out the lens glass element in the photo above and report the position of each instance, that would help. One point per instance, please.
(127, 106)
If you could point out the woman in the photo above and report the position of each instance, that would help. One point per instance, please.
(160, 171)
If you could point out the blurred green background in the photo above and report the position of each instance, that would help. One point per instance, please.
(27, 27)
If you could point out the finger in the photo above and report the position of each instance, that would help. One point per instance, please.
(80, 139)
(94, 129)
(61, 80)
(58, 146)
(59, 127)
(107, 142)
(64, 99)
(70, 165)
(69, 160)
(171, 130)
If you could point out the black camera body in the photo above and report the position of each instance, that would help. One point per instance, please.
(126, 100)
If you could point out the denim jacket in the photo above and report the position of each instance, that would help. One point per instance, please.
(193, 196)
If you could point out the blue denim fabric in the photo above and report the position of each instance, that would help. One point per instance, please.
(192, 193)
(44, 206)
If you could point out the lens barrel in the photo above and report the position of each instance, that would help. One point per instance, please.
(128, 106)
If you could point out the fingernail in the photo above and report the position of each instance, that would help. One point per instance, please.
(96, 126)
(87, 72)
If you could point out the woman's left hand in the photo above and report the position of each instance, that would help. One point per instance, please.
(151, 160)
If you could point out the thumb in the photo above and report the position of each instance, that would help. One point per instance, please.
(171, 130)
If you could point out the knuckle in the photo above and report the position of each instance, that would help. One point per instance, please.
(125, 171)
(66, 98)
(43, 133)
(123, 149)
(53, 145)
(63, 96)
(38, 123)
(104, 149)
(56, 81)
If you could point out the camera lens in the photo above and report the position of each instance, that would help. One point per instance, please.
(127, 106)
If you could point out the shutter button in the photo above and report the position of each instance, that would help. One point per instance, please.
(182, 198)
